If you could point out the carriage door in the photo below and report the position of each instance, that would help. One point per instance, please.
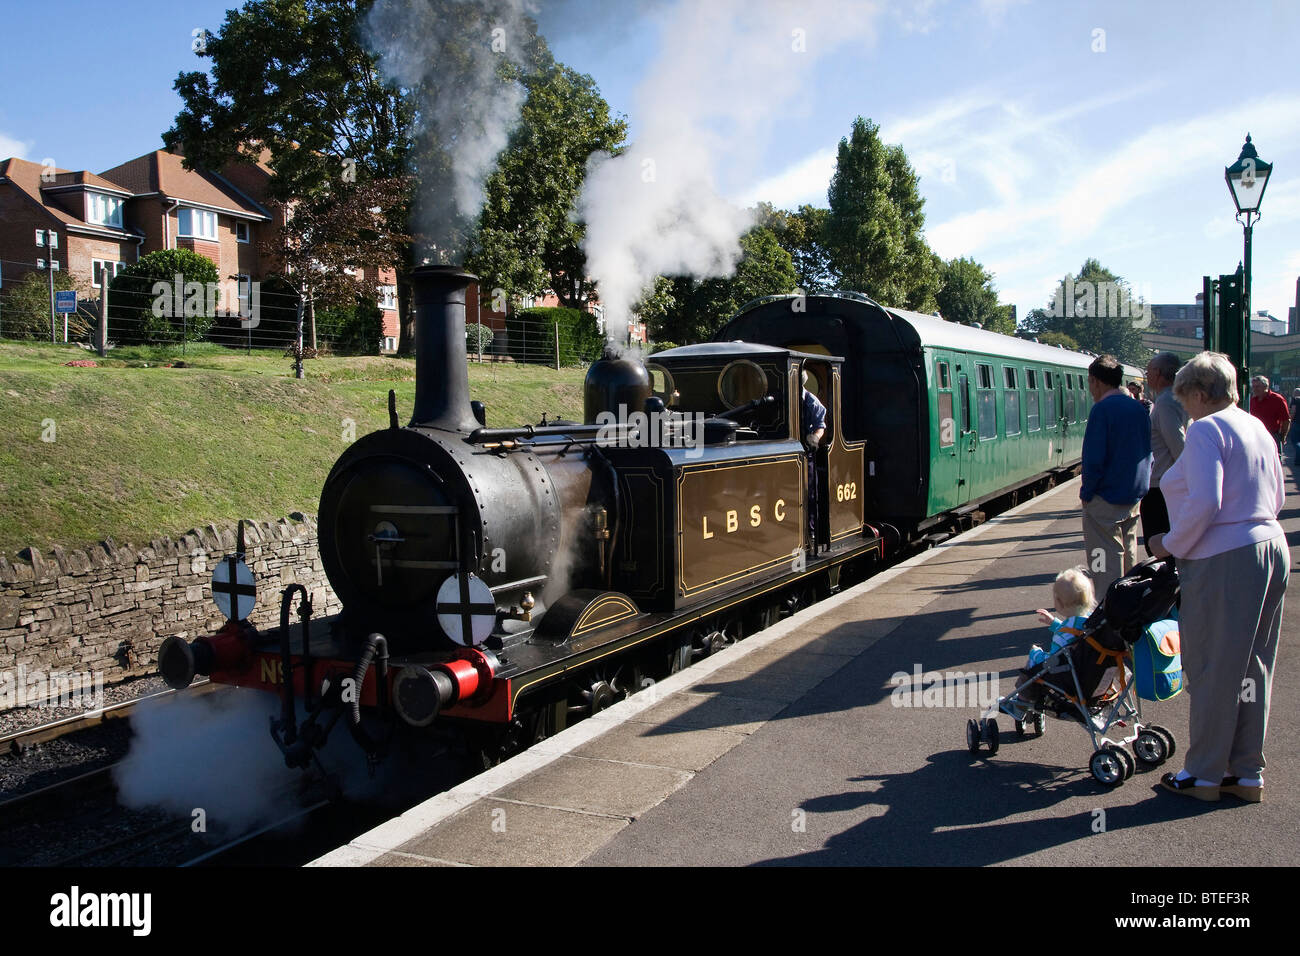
(966, 439)
(1062, 422)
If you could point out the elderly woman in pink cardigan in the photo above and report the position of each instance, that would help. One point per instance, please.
(1224, 494)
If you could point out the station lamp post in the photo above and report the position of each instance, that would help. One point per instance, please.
(1247, 179)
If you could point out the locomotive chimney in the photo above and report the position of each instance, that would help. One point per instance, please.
(441, 378)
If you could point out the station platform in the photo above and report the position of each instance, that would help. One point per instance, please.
(792, 747)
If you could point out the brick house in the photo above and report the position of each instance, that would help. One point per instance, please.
(149, 203)
(85, 212)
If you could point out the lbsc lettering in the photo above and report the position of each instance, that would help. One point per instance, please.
(731, 518)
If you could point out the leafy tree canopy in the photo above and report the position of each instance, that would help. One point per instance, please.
(802, 234)
(527, 239)
(685, 310)
(873, 230)
(966, 295)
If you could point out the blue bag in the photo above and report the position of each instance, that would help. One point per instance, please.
(1158, 662)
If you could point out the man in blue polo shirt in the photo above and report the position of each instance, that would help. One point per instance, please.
(1116, 474)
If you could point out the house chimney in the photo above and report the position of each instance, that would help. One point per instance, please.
(441, 378)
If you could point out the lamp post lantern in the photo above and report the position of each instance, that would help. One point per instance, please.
(1247, 178)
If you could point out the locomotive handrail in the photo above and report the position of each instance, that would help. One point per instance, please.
(482, 435)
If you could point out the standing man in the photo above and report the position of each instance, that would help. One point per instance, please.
(1168, 431)
(1116, 474)
(1270, 408)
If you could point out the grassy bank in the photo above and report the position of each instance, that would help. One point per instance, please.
(134, 449)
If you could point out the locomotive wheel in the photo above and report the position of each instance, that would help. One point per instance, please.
(680, 658)
(598, 697)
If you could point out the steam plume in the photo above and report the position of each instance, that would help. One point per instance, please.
(728, 72)
(450, 55)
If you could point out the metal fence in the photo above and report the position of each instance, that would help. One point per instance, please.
(237, 314)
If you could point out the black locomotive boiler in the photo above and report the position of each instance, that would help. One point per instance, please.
(505, 581)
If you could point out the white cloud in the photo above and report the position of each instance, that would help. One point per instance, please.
(804, 182)
(10, 147)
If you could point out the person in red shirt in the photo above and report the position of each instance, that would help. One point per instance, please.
(1270, 408)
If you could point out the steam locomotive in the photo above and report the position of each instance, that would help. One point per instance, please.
(507, 581)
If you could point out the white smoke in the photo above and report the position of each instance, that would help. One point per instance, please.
(728, 73)
(212, 753)
(447, 54)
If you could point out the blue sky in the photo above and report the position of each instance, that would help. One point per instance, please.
(1040, 141)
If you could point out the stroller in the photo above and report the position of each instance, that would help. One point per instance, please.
(1091, 680)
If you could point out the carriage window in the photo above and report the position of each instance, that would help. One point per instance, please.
(1069, 381)
(1031, 405)
(943, 376)
(740, 382)
(1009, 376)
(947, 427)
(1011, 411)
(1070, 406)
(1047, 379)
(1031, 379)
(985, 407)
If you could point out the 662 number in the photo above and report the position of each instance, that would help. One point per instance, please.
(847, 491)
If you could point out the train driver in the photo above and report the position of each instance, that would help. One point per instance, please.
(812, 417)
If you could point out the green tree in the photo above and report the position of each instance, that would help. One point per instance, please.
(802, 234)
(691, 310)
(295, 78)
(527, 239)
(966, 295)
(1058, 338)
(873, 231)
(25, 308)
(168, 295)
(1097, 309)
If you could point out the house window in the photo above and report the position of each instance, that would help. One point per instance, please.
(103, 210)
(97, 267)
(197, 224)
(388, 297)
(241, 231)
(390, 343)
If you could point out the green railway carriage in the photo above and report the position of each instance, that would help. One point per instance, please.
(952, 416)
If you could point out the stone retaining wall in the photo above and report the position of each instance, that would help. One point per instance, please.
(108, 608)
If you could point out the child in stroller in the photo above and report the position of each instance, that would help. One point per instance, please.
(1073, 598)
(1087, 678)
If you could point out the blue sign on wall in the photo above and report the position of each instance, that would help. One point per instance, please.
(65, 301)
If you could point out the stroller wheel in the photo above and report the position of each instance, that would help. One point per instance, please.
(1106, 767)
(990, 729)
(1150, 748)
(1169, 739)
(1126, 758)
(1020, 728)
(973, 735)
(1039, 724)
